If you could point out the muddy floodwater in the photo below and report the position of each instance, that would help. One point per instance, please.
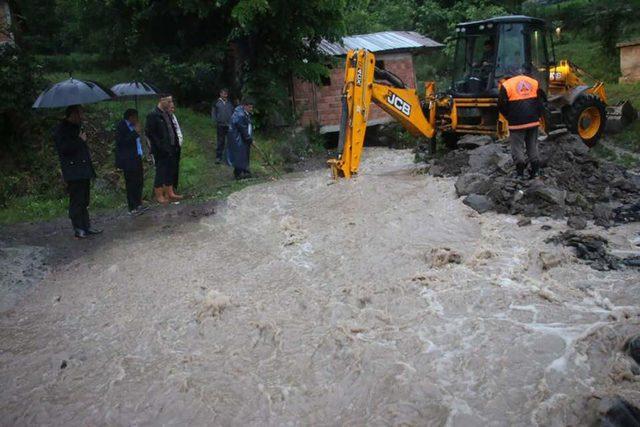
(382, 300)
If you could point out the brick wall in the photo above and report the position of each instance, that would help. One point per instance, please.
(321, 104)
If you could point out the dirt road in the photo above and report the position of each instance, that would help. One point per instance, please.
(375, 301)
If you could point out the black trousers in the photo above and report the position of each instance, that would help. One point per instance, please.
(79, 194)
(221, 139)
(134, 182)
(176, 168)
(165, 171)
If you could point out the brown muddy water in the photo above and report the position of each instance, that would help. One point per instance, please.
(382, 300)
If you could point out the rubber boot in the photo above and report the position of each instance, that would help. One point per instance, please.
(535, 170)
(520, 169)
(159, 195)
(171, 194)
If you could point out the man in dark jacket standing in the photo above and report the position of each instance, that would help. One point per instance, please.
(77, 169)
(129, 159)
(221, 112)
(241, 139)
(521, 102)
(164, 139)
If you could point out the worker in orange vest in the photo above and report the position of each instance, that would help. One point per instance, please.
(521, 102)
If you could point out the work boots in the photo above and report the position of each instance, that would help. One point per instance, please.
(535, 170)
(520, 169)
(171, 194)
(159, 195)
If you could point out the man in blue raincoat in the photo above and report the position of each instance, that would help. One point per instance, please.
(240, 139)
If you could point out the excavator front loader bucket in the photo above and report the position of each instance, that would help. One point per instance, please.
(620, 116)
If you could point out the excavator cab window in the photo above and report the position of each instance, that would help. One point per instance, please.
(539, 57)
(511, 56)
(474, 60)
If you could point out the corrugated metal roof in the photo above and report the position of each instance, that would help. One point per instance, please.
(386, 41)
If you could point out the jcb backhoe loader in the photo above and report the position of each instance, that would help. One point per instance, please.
(486, 53)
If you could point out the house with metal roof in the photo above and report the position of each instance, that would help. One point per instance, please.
(319, 105)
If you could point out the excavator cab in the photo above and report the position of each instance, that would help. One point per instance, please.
(490, 50)
(487, 52)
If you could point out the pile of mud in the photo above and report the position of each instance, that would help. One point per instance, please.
(572, 184)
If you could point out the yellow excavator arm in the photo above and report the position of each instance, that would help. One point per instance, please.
(359, 91)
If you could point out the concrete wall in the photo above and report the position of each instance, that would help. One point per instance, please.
(629, 62)
(320, 105)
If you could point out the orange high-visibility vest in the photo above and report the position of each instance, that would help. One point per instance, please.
(523, 107)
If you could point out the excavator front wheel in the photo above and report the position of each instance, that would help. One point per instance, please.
(587, 118)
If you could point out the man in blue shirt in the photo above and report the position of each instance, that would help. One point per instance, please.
(129, 159)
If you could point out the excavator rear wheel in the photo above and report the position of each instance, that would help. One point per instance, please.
(587, 117)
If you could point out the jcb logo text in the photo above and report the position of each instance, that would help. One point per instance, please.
(400, 104)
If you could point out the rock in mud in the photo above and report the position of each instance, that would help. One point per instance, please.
(590, 248)
(524, 222)
(617, 412)
(632, 261)
(478, 202)
(547, 193)
(470, 183)
(632, 347)
(489, 159)
(628, 213)
(577, 223)
(603, 214)
(469, 142)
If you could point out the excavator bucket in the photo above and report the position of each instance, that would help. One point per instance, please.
(620, 116)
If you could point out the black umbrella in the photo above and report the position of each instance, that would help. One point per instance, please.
(134, 90)
(72, 92)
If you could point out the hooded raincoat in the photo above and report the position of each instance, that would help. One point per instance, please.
(240, 139)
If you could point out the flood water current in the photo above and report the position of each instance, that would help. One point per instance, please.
(381, 300)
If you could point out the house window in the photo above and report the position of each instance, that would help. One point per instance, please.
(325, 80)
(380, 65)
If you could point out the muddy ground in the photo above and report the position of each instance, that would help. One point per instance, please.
(379, 300)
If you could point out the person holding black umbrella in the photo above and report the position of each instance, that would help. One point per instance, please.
(163, 137)
(129, 159)
(77, 169)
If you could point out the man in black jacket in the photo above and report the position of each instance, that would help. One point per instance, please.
(163, 137)
(129, 159)
(77, 169)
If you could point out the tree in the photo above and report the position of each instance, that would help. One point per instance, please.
(365, 16)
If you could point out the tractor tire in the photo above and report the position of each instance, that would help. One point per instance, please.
(450, 140)
(587, 118)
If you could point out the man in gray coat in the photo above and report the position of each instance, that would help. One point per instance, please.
(221, 112)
